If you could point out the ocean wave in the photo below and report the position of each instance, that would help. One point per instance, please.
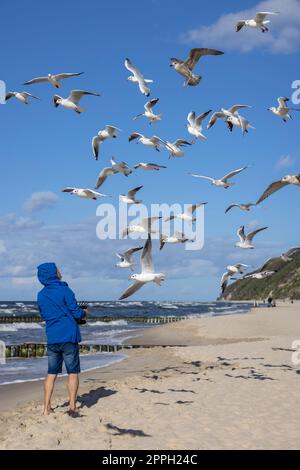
(169, 306)
(108, 323)
(19, 326)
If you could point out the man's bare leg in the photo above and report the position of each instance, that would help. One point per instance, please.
(73, 384)
(48, 390)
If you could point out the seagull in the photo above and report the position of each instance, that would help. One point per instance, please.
(195, 124)
(149, 114)
(85, 193)
(178, 237)
(225, 113)
(149, 166)
(246, 240)
(222, 182)
(148, 141)
(174, 148)
(138, 78)
(260, 275)
(22, 96)
(273, 187)
(147, 274)
(129, 198)
(126, 258)
(243, 207)
(53, 79)
(288, 256)
(72, 101)
(185, 67)
(144, 226)
(239, 121)
(231, 270)
(188, 215)
(258, 22)
(282, 110)
(109, 132)
(115, 168)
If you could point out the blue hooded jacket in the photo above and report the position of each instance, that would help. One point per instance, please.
(58, 307)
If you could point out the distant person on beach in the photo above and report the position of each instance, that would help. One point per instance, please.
(59, 308)
(270, 300)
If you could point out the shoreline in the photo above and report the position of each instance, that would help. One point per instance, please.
(203, 391)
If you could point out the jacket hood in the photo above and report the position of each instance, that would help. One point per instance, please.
(47, 273)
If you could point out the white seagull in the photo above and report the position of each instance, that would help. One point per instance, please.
(174, 148)
(186, 67)
(149, 166)
(257, 22)
(194, 125)
(246, 240)
(114, 169)
(260, 275)
(20, 95)
(53, 79)
(282, 109)
(144, 226)
(188, 214)
(149, 114)
(239, 121)
(273, 187)
(222, 182)
(85, 193)
(178, 237)
(231, 270)
(147, 274)
(126, 258)
(243, 207)
(138, 78)
(109, 132)
(225, 113)
(129, 198)
(72, 102)
(147, 141)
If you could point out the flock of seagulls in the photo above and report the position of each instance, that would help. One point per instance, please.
(231, 117)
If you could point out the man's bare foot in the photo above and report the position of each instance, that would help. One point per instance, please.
(48, 411)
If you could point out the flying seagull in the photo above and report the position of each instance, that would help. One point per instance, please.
(72, 102)
(194, 125)
(21, 96)
(138, 78)
(231, 270)
(273, 187)
(144, 226)
(178, 237)
(149, 166)
(53, 79)
(109, 132)
(85, 193)
(246, 240)
(147, 141)
(257, 22)
(225, 113)
(129, 198)
(188, 214)
(115, 168)
(126, 258)
(239, 121)
(148, 113)
(174, 148)
(282, 110)
(186, 67)
(222, 182)
(147, 274)
(243, 207)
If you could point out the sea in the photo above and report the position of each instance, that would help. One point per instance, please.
(123, 325)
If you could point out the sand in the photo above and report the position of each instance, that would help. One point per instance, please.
(228, 383)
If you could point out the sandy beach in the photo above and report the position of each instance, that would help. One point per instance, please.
(224, 382)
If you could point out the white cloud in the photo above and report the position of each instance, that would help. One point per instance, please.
(13, 222)
(41, 200)
(285, 161)
(283, 37)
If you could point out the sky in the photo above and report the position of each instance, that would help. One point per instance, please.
(44, 149)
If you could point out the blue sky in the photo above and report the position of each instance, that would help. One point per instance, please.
(44, 149)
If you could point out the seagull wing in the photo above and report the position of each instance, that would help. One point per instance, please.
(135, 135)
(181, 143)
(107, 171)
(272, 188)
(133, 191)
(251, 235)
(233, 173)
(282, 100)
(68, 190)
(132, 289)
(95, 146)
(146, 258)
(9, 95)
(135, 71)
(191, 209)
(197, 53)
(224, 280)
(191, 118)
(201, 117)
(128, 253)
(36, 80)
(76, 95)
(149, 105)
(236, 107)
(292, 251)
(239, 25)
(203, 177)
(62, 76)
(260, 15)
(241, 233)
(230, 207)
(147, 222)
(214, 117)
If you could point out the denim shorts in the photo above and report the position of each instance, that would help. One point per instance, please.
(63, 352)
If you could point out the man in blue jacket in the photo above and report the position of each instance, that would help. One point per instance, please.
(58, 307)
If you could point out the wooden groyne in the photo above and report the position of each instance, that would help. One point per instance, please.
(91, 319)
